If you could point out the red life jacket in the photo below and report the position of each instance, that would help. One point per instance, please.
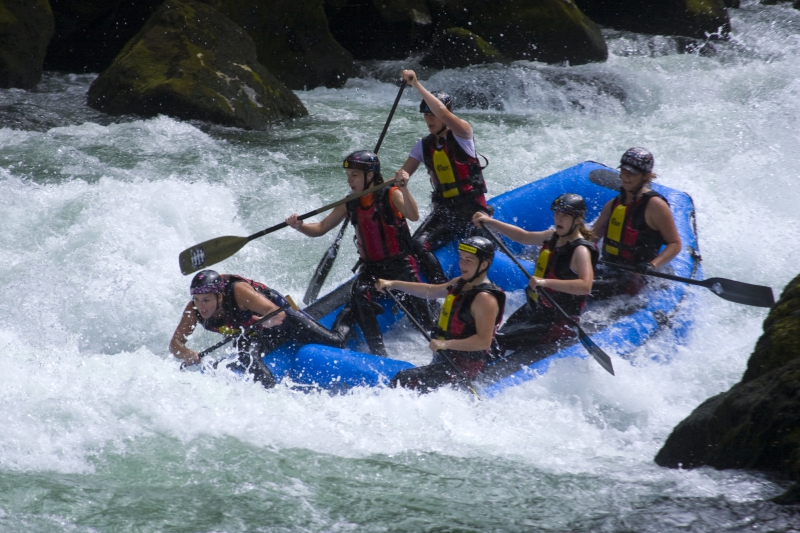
(554, 263)
(456, 320)
(234, 318)
(380, 233)
(628, 238)
(453, 172)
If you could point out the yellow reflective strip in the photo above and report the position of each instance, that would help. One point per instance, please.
(541, 263)
(444, 172)
(444, 314)
(467, 248)
(614, 231)
(225, 330)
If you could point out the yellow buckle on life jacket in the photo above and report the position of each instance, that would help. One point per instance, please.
(615, 225)
(444, 314)
(228, 331)
(444, 172)
(539, 272)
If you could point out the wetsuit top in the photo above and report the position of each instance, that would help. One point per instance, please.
(454, 173)
(628, 238)
(456, 320)
(381, 231)
(554, 263)
(234, 318)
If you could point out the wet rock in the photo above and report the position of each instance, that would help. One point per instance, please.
(691, 18)
(552, 31)
(90, 33)
(756, 424)
(191, 62)
(380, 29)
(26, 27)
(457, 47)
(292, 40)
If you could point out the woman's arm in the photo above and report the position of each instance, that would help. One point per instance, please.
(177, 345)
(250, 299)
(600, 225)
(402, 199)
(459, 127)
(422, 290)
(484, 308)
(317, 229)
(659, 217)
(582, 264)
(514, 233)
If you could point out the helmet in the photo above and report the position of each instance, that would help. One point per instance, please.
(480, 246)
(637, 160)
(570, 204)
(363, 160)
(207, 281)
(443, 97)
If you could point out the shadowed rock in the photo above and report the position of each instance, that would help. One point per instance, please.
(457, 47)
(26, 27)
(756, 424)
(191, 62)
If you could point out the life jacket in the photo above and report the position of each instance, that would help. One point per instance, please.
(456, 320)
(628, 238)
(380, 232)
(453, 172)
(235, 319)
(554, 263)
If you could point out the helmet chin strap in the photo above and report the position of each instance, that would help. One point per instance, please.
(439, 133)
(478, 272)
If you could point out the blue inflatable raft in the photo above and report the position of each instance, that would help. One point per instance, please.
(662, 305)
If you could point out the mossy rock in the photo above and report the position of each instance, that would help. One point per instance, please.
(381, 29)
(26, 27)
(191, 62)
(690, 18)
(756, 424)
(90, 33)
(552, 31)
(457, 47)
(292, 40)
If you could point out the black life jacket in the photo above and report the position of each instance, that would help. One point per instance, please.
(628, 238)
(380, 233)
(453, 173)
(455, 318)
(234, 318)
(554, 263)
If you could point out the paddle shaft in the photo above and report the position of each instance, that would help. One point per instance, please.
(599, 355)
(427, 335)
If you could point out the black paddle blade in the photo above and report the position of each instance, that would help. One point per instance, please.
(320, 274)
(740, 292)
(599, 355)
(209, 252)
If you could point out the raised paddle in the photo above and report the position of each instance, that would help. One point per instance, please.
(441, 352)
(731, 290)
(213, 251)
(325, 264)
(599, 355)
(252, 327)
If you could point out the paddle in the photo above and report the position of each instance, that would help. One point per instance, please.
(213, 251)
(731, 290)
(325, 264)
(441, 352)
(252, 327)
(599, 355)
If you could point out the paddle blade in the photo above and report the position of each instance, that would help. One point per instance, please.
(740, 292)
(599, 355)
(210, 252)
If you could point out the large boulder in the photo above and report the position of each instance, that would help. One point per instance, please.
(552, 31)
(691, 18)
(756, 424)
(90, 33)
(26, 27)
(380, 29)
(457, 47)
(292, 40)
(191, 62)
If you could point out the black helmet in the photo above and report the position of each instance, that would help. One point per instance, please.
(480, 246)
(443, 97)
(207, 281)
(570, 204)
(637, 160)
(363, 160)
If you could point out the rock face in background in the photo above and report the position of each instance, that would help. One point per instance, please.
(26, 27)
(457, 47)
(191, 62)
(292, 40)
(756, 424)
(380, 29)
(691, 18)
(552, 31)
(90, 33)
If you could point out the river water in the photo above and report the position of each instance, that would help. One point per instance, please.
(102, 432)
